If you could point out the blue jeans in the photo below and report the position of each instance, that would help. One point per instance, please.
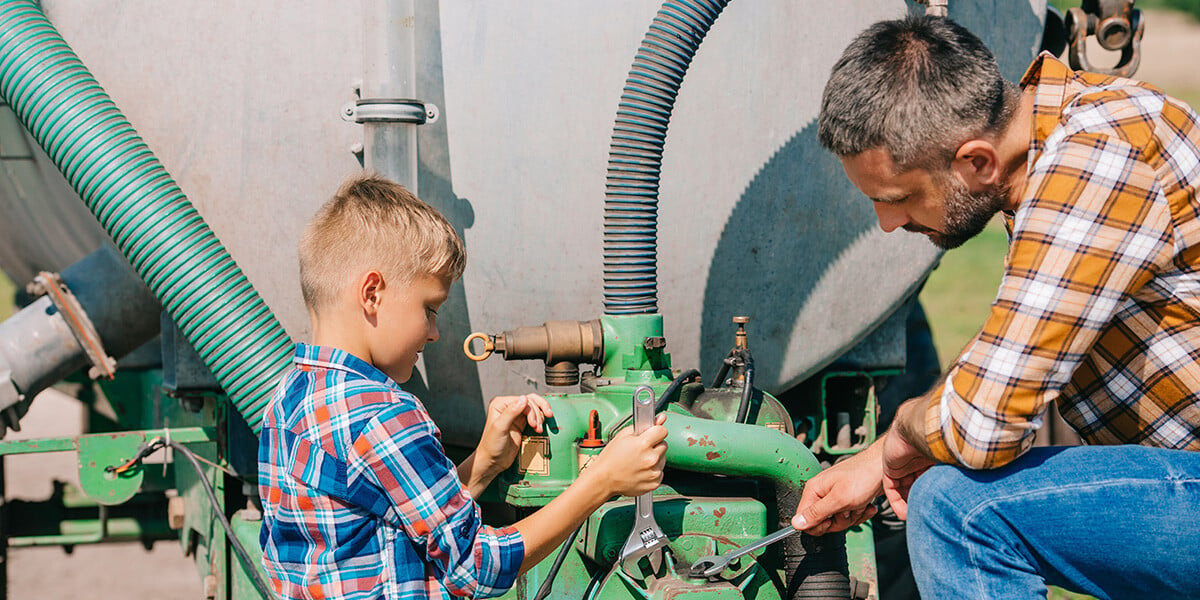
(1109, 521)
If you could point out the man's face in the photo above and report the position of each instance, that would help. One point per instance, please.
(937, 205)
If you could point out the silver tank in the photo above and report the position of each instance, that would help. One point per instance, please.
(242, 102)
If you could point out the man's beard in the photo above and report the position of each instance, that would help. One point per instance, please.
(967, 214)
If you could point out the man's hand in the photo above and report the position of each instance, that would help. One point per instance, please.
(507, 417)
(843, 495)
(902, 464)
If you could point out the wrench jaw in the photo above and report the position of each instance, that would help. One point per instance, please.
(649, 543)
(706, 568)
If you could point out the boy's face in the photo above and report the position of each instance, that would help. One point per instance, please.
(406, 320)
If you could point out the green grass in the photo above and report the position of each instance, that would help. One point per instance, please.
(960, 291)
(7, 289)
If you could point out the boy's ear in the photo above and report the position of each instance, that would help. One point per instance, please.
(369, 291)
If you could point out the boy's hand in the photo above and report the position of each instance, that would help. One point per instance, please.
(632, 465)
(507, 417)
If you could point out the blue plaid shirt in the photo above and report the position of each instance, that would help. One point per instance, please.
(359, 498)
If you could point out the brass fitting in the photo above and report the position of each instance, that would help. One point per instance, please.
(739, 337)
(561, 344)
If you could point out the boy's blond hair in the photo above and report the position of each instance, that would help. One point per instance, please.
(374, 223)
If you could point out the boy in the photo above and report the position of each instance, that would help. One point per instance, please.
(359, 498)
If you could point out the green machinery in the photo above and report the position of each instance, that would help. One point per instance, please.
(736, 470)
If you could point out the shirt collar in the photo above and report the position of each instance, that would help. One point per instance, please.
(327, 357)
(1049, 78)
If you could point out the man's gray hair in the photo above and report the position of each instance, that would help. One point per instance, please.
(919, 87)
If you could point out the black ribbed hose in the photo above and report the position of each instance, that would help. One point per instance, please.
(816, 567)
(635, 156)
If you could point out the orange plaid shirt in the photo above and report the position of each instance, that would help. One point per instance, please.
(1099, 307)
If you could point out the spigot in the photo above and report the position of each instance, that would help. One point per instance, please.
(739, 337)
(561, 344)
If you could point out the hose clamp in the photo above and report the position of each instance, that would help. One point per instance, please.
(390, 110)
(50, 284)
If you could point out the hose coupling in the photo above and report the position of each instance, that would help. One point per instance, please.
(561, 344)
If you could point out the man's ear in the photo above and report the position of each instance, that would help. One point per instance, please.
(977, 164)
(370, 285)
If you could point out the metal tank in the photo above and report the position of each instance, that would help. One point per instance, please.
(243, 104)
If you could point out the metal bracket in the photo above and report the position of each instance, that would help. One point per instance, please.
(1116, 25)
(390, 110)
(51, 285)
(936, 8)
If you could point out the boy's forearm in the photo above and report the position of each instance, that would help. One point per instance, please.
(474, 477)
(546, 529)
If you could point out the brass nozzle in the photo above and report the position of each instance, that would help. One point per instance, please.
(739, 337)
(562, 344)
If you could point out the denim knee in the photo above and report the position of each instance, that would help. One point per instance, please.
(943, 493)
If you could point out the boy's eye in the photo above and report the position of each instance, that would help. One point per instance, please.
(432, 310)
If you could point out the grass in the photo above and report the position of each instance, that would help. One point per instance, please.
(7, 291)
(960, 291)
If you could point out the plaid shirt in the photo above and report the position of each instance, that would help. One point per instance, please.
(359, 498)
(1099, 307)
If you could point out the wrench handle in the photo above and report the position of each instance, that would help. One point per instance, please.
(643, 418)
(763, 542)
(643, 408)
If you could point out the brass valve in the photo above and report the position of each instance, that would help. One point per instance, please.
(739, 337)
(562, 344)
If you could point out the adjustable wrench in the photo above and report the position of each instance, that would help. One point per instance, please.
(646, 539)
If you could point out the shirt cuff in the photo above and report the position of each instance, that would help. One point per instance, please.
(511, 554)
(933, 427)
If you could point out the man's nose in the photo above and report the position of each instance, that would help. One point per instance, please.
(890, 217)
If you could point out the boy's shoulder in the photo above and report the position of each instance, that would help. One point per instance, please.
(330, 388)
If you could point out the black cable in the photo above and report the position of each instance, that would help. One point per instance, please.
(544, 589)
(238, 548)
(661, 401)
(747, 389)
(720, 378)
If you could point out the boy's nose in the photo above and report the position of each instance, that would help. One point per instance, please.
(890, 217)
(432, 335)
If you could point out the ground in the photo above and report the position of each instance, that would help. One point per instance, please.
(114, 571)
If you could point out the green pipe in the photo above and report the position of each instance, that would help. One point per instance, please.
(707, 446)
(94, 531)
(142, 208)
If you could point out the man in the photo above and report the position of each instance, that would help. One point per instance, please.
(1098, 311)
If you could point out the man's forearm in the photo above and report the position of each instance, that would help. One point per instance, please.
(909, 423)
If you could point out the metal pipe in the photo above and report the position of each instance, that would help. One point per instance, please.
(39, 347)
(390, 74)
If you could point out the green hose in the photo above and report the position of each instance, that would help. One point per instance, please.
(142, 208)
